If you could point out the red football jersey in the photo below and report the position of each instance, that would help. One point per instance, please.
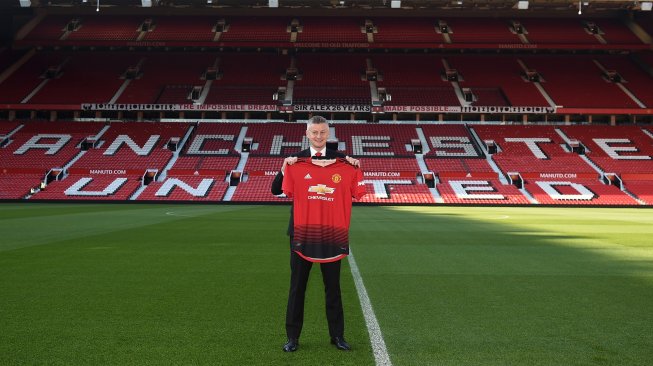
(322, 197)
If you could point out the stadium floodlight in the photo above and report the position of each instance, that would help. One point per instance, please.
(646, 5)
(580, 7)
(25, 3)
(395, 4)
(146, 3)
(522, 4)
(273, 3)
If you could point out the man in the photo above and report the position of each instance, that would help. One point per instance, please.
(317, 132)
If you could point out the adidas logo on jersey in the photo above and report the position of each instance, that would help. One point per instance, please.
(308, 176)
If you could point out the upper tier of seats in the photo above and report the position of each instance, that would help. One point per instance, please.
(20, 84)
(331, 29)
(489, 30)
(577, 81)
(312, 29)
(101, 70)
(168, 69)
(635, 79)
(492, 71)
(570, 81)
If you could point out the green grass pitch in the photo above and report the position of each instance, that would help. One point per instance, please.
(140, 284)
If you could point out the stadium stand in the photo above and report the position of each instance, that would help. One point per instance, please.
(577, 192)
(576, 81)
(210, 147)
(479, 191)
(311, 63)
(552, 175)
(82, 187)
(100, 28)
(256, 189)
(9, 56)
(126, 148)
(396, 191)
(331, 29)
(384, 141)
(260, 172)
(390, 166)
(568, 31)
(180, 28)
(21, 83)
(80, 69)
(331, 79)
(533, 149)
(152, 74)
(414, 80)
(418, 30)
(186, 188)
(501, 73)
(641, 189)
(248, 78)
(470, 30)
(449, 141)
(256, 29)
(277, 139)
(42, 145)
(51, 28)
(614, 31)
(6, 127)
(631, 76)
(617, 149)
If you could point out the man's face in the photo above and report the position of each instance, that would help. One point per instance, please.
(317, 135)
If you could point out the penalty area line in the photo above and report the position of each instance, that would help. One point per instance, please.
(379, 349)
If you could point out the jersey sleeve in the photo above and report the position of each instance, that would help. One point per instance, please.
(288, 186)
(358, 186)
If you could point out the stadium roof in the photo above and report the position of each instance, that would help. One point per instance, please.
(491, 5)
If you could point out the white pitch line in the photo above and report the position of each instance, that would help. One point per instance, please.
(173, 213)
(376, 337)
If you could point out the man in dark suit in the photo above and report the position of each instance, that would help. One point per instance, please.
(317, 132)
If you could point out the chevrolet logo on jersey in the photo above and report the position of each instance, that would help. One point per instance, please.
(321, 189)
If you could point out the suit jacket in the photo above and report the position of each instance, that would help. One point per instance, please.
(277, 183)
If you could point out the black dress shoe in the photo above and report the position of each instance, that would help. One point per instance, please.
(291, 345)
(340, 343)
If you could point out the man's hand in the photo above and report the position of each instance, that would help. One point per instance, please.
(352, 161)
(288, 161)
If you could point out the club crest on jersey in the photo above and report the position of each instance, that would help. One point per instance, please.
(336, 178)
(321, 189)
